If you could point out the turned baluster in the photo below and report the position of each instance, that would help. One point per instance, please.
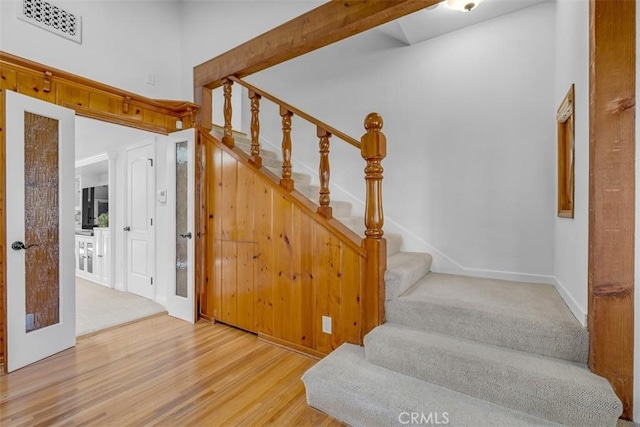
(286, 181)
(324, 209)
(255, 129)
(227, 139)
(373, 150)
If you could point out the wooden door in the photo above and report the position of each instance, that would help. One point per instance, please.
(40, 229)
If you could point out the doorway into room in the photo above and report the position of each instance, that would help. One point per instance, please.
(105, 296)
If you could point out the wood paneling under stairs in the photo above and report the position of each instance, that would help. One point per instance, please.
(163, 371)
(273, 267)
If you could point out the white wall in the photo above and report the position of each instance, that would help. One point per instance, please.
(121, 42)
(469, 120)
(572, 235)
(210, 28)
(94, 180)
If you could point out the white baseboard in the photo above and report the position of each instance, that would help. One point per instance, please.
(579, 312)
(161, 299)
(119, 286)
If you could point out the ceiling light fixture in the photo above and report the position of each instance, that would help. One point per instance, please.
(463, 5)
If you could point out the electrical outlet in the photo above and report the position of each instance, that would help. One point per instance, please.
(29, 321)
(326, 324)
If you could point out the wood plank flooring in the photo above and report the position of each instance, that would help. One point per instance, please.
(162, 372)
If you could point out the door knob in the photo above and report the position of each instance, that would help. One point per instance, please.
(17, 246)
(127, 228)
(186, 236)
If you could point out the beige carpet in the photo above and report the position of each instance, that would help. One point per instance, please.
(98, 307)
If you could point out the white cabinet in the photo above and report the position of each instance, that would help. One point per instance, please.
(85, 252)
(93, 255)
(103, 251)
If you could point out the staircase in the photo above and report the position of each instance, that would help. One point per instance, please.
(457, 350)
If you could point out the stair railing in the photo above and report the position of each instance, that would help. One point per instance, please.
(372, 146)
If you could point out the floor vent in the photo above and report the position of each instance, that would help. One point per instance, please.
(52, 18)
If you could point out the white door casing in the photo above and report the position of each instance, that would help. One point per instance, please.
(180, 306)
(24, 348)
(139, 229)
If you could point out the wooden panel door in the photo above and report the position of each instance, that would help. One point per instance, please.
(40, 229)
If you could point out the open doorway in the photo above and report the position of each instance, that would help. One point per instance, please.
(103, 185)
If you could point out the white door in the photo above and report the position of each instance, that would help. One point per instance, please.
(40, 205)
(180, 156)
(139, 236)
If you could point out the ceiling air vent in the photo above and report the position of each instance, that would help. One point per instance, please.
(52, 18)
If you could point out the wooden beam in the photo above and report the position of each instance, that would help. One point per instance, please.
(322, 26)
(612, 193)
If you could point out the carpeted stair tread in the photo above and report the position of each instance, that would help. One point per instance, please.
(347, 387)
(553, 389)
(339, 208)
(523, 316)
(298, 178)
(403, 270)
(354, 223)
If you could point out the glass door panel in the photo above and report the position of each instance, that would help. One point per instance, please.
(182, 217)
(41, 210)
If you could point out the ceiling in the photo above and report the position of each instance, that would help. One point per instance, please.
(95, 137)
(429, 23)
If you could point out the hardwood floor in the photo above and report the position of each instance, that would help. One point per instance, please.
(165, 372)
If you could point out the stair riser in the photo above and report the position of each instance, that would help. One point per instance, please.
(471, 370)
(394, 242)
(348, 388)
(505, 331)
(298, 178)
(265, 154)
(401, 277)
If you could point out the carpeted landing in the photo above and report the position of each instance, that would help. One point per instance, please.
(98, 307)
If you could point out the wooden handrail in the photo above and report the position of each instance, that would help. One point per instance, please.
(297, 112)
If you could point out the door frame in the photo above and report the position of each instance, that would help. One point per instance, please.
(110, 157)
(125, 250)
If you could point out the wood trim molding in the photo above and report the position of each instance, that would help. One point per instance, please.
(93, 99)
(612, 194)
(322, 26)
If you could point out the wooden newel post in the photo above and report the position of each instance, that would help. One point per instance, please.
(227, 139)
(325, 172)
(374, 149)
(286, 181)
(255, 129)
